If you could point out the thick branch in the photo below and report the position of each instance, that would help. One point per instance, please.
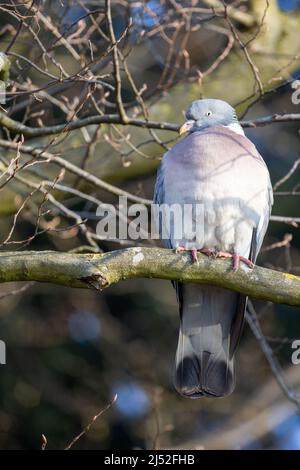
(19, 128)
(101, 270)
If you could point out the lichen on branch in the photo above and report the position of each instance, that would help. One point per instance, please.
(98, 271)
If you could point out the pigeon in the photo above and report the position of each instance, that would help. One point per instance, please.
(217, 168)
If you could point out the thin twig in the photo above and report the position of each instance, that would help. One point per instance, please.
(253, 322)
(87, 428)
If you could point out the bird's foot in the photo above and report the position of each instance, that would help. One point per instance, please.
(180, 249)
(194, 255)
(207, 251)
(194, 251)
(236, 259)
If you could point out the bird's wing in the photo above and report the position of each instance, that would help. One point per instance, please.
(261, 229)
(158, 199)
(256, 243)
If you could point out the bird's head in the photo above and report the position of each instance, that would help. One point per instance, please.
(208, 113)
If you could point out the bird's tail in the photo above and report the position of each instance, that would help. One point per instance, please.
(211, 320)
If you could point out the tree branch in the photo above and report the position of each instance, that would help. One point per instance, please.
(99, 271)
(19, 128)
(117, 75)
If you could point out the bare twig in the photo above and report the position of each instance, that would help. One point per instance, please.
(27, 131)
(117, 75)
(44, 442)
(88, 426)
(272, 360)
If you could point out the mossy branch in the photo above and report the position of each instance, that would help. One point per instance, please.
(99, 271)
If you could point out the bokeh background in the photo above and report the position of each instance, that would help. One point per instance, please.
(69, 351)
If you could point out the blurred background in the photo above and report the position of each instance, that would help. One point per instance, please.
(70, 351)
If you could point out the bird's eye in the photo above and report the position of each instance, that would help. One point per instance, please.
(209, 113)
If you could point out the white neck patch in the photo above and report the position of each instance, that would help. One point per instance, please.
(236, 127)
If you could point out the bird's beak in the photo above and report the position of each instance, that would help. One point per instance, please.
(186, 127)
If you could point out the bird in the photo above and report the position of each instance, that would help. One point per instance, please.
(215, 166)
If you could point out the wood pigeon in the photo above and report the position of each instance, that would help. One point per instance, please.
(217, 166)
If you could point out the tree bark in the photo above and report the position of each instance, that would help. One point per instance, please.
(99, 271)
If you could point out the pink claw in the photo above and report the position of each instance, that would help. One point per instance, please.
(224, 254)
(207, 251)
(236, 259)
(180, 249)
(194, 255)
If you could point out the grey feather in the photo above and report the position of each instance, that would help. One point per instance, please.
(223, 171)
(203, 365)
